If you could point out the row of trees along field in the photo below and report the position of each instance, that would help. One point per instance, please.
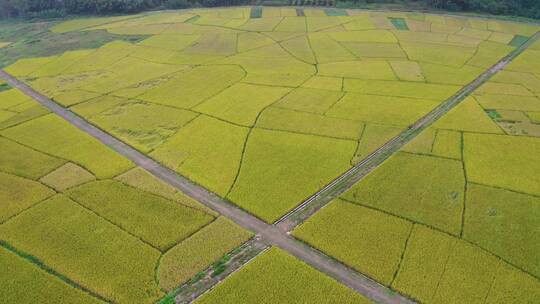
(58, 8)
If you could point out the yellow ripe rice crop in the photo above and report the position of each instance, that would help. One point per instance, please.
(373, 136)
(55, 136)
(154, 219)
(18, 194)
(143, 125)
(189, 88)
(381, 109)
(142, 179)
(23, 282)
(502, 222)
(276, 277)
(364, 69)
(468, 116)
(407, 70)
(398, 187)
(367, 240)
(400, 88)
(67, 176)
(310, 100)
(241, 103)
(503, 161)
(207, 245)
(207, 151)
(308, 123)
(119, 267)
(25, 162)
(423, 263)
(285, 168)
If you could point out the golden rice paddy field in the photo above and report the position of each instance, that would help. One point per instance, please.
(264, 108)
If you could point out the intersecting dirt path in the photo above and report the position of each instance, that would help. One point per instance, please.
(269, 233)
(345, 181)
(277, 235)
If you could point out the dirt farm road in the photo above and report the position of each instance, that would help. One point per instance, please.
(276, 235)
(269, 233)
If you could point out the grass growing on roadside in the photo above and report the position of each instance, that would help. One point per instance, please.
(276, 277)
(194, 254)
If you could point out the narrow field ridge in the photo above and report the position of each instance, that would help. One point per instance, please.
(348, 179)
(269, 234)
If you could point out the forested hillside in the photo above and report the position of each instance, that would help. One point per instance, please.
(58, 8)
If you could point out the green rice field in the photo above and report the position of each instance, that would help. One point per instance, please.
(263, 107)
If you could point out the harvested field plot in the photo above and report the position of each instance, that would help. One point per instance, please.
(265, 106)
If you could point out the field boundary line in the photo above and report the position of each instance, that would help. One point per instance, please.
(39, 264)
(269, 234)
(348, 179)
(277, 234)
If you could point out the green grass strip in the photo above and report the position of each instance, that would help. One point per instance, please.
(493, 114)
(518, 40)
(192, 19)
(335, 12)
(256, 12)
(399, 23)
(4, 87)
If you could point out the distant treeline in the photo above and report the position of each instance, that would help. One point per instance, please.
(524, 8)
(58, 8)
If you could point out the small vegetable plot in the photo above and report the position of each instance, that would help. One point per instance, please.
(111, 228)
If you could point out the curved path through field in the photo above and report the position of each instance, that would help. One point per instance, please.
(277, 235)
